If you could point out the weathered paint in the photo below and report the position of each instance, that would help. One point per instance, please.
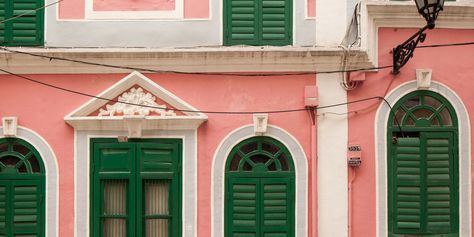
(452, 67)
(42, 110)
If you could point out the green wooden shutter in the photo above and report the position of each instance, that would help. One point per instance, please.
(26, 201)
(113, 167)
(241, 22)
(243, 206)
(276, 22)
(26, 30)
(276, 205)
(407, 186)
(441, 184)
(424, 186)
(258, 22)
(3, 209)
(2, 17)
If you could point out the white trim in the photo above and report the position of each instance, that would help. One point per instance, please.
(177, 13)
(464, 128)
(51, 175)
(82, 177)
(218, 176)
(81, 120)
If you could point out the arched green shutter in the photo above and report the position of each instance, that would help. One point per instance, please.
(423, 172)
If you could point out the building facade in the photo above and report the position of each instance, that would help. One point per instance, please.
(190, 118)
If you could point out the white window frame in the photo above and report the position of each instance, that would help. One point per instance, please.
(177, 13)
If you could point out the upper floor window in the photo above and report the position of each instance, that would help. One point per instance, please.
(21, 22)
(258, 22)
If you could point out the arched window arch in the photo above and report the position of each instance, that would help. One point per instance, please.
(22, 189)
(260, 184)
(423, 166)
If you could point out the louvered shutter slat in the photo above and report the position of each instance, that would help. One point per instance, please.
(26, 208)
(3, 209)
(439, 190)
(407, 185)
(276, 20)
(27, 28)
(243, 208)
(2, 17)
(276, 207)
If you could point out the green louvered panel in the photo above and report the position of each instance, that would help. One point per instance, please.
(26, 25)
(3, 209)
(2, 17)
(243, 213)
(242, 22)
(276, 22)
(26, 208)
(158, 158)
(276, 207)
(441, 202)
(407, 184)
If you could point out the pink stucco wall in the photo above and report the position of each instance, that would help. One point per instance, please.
(452, 66)
(42, 110)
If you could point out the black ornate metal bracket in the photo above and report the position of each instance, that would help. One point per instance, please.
(403, 52)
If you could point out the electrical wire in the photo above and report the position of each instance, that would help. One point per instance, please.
(184, 110)
(190, 73)
(31, 11)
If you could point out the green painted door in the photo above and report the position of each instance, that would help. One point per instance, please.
(423, 167)
(259, 190)
(136, 188)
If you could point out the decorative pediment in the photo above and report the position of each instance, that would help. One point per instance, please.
(139, 99)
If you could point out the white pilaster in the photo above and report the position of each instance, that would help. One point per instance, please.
(332, 160)
(331, 22)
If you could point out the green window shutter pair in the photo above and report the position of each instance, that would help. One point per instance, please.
(24, 30)
(136, 188)
(21, 208)
(258, 22)
(260, 207)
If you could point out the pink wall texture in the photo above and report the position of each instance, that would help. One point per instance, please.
(452, 66)
(42, 110)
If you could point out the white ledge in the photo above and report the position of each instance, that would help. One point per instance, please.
(117, 123)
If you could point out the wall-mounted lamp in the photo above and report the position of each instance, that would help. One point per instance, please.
(429, 9)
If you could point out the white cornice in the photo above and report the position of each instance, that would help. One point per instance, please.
(198, 59)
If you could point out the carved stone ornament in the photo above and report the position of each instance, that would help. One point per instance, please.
(139, 97)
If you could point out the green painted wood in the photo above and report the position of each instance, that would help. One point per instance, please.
(259, 189)
(25, 30)
(253, 22)
(423, 167)
(127, 168)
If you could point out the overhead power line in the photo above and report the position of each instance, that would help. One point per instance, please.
(192, 111)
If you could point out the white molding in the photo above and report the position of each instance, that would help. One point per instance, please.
(51, 177)
(177, 13)
(218, 176)
(81, 120)
(380, 141)
(82, 176)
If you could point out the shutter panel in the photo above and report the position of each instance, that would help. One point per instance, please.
(2, 17)
(276, 22)
(241, 22)
(441, 189)
(243, 214)
(406, 207)
(26, 197)
(276, 207)
(27, 29)
(3, 209)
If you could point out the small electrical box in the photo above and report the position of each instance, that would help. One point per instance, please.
(354, 155)
(311, 96)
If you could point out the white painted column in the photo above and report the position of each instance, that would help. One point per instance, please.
(331, 22)
(332, 161)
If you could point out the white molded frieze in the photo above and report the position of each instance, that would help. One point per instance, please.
(139, 97)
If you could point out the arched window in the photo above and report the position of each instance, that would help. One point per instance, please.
(423, 167)
(259, 189)
(22, 182)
